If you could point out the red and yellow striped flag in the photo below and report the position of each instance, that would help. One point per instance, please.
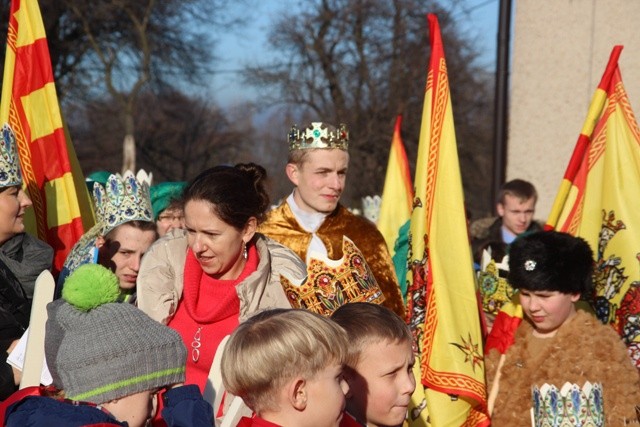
(397, 193)
(442, 302)
(30, 105)
(598, 201)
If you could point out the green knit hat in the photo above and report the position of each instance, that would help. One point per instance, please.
(163, 194)
(99, 350)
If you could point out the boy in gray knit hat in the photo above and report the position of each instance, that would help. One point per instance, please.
(110, 360)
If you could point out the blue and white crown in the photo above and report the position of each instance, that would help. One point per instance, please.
(572, 405)
(10, 173)
(123, 199)
(319, 135)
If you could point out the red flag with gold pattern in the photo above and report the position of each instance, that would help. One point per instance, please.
(30, 105)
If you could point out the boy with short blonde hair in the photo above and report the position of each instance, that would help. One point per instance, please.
(286, 365)
(379, 371)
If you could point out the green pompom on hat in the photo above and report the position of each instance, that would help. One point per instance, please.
(99, 350)
(91, 286)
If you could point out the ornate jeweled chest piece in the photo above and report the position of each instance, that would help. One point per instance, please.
(333, 283)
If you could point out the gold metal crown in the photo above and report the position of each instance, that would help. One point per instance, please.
(319, 135)
(123, 199)
(333, 283)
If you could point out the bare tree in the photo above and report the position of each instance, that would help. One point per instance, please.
(177, 138)
(123, 58)
(362, 62)
(116, 49)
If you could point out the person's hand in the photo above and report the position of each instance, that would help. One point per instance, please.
(12, 346)
(17, 373)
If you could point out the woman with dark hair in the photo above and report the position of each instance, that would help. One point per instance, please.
(204, 281)
(22, 259)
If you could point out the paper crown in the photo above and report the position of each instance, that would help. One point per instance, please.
(319, 135)
(84, 251)
(144, 176)
(10, 173)
(492, 280)
(121, 200)
(371, 207)
(333, 283)
(570, 406)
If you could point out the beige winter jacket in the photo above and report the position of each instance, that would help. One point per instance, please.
(161, 277)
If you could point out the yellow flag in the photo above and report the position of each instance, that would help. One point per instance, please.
(599, 199)
(442, 301)
(397, 194)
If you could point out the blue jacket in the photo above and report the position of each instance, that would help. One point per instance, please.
(184, 407)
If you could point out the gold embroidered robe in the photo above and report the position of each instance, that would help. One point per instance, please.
(282, 226)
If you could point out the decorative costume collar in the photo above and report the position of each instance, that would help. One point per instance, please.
(333, 283)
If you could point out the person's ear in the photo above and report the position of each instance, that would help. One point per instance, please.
(349, 376)
(298, 393)
(100, 241)
(249, 229)
(292, 171)
(500, 209)
(575, 297)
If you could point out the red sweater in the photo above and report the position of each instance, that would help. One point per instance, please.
(211, 306)
(255, 422)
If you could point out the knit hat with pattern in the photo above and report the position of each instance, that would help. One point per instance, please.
(98, 350)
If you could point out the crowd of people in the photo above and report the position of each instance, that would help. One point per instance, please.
(172, 310)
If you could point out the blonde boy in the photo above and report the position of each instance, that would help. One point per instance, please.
(287, 366)
(379, 372)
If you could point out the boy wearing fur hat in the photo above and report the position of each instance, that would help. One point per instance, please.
(557, 344)
(286, 365)
(109, 360)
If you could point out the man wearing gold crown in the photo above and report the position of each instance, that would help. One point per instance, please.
(124, 231)
(312, 220)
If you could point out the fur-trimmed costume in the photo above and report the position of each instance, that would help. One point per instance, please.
(582, 350)
(282, 226)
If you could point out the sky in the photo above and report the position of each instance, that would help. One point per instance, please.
(247, 45)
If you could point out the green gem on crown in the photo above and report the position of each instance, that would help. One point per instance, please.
(319, 135)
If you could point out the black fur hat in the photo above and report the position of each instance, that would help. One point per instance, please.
(551, 261)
